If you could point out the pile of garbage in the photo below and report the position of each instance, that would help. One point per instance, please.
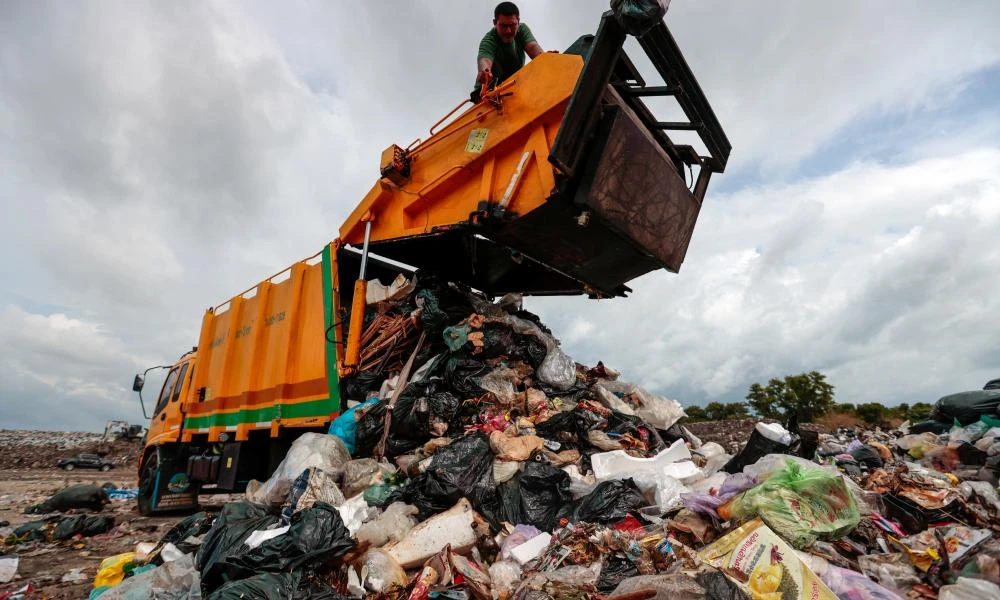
(43, 449)
(477, 460)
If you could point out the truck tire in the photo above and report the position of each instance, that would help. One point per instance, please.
(147, 483)
(69, 466)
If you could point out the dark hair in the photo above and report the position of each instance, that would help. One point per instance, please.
(507, 9)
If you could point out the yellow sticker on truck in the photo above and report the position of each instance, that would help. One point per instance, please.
(477, 141)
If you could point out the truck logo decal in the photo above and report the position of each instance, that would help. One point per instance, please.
(178, 483)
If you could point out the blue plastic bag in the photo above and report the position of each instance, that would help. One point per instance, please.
(346, 425)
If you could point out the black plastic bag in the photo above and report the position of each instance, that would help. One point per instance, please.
(370, 424)
(639, 16)
(535, 495)
(316, 534)
(34, 530)
(563, 426)
(415, 407)
(463, 468)
(83, 495)
(615, 569)
(756, 448)
(84, 525)
(719, 587)
(358, 386)
(967, 407)
(935, 427)
(462, 374)
(192, 526)
(233, 525)
(867, 456)
(621, 424)
(610, 502)
(273, 586)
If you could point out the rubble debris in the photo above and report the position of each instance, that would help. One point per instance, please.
(498, 469)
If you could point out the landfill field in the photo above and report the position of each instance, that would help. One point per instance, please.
(478, 460)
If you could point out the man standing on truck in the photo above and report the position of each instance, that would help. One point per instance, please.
(502, 49)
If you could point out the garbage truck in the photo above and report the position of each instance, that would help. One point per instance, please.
(562, 180)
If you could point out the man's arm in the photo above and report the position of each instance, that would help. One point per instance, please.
(533, 49)
(485, 70)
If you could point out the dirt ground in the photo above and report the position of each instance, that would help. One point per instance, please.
(45, 564)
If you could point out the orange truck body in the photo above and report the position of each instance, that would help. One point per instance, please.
(558, 182)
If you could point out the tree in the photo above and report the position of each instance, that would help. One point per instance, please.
(717, 411)
(805, 394)
(695, 413)
(920, 411)
(872, 413)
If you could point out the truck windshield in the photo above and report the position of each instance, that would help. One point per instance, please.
(168, 386)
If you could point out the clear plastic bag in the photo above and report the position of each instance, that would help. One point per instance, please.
(326, 452)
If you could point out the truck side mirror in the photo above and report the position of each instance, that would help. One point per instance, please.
(138, 383)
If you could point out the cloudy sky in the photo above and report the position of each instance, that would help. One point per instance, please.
(156, 158)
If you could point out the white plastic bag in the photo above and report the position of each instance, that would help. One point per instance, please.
(326, 452)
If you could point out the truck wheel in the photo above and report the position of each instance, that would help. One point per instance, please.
(147, 481)
(69, 466)
(105, 467)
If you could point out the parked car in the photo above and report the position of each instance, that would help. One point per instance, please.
(85, 461)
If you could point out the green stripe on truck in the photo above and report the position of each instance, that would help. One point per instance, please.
(313, 408)
(331, 347)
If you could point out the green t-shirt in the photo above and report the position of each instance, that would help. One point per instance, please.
(507, 58)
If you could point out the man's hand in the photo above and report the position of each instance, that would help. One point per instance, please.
(485, 76)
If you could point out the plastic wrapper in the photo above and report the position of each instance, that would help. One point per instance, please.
(969, 589)
(360, 473)
(892, 571)
(763, 565)
(111, 571)
(801, 504)
(708, 503)
(380, 571)
(579, 484)
(392, 525)
(505, 575)
(500, 383)
(326, 452)
(658, 411)
(175, 580)
(970, 433)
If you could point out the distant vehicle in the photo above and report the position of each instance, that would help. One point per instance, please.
(993, 384)
(85, 461)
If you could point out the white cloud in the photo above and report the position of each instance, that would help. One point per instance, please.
(881, 276)
(157, 158)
